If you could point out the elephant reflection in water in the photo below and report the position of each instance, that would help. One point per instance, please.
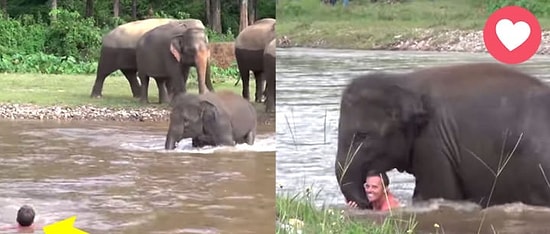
(455, 128)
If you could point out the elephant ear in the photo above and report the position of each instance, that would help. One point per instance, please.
(209, 112)
(175, 48)
(408, 107)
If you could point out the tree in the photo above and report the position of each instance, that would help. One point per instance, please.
(208, 10)
(116, 8)
(252, 11)
(54, 7)
(89, 8)
(216, 16)
(134, 9)
(244, 15)
(4, 6)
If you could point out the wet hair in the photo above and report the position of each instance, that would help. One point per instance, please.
(25, 216)
(383, 175)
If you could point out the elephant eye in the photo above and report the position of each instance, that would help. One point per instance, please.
(361, 136)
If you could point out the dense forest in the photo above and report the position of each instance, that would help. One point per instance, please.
(64, 36)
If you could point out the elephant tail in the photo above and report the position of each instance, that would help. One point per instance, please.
(236, 83)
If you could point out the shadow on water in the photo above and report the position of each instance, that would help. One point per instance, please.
(117, 178)
(309, 86)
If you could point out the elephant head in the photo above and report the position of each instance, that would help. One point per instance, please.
(190, 48)
(187, 118)
(379, 120)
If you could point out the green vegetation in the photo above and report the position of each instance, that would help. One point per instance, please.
(298, 212)
(49, 55)
(365, 25)
(74, 90)
(33, 42)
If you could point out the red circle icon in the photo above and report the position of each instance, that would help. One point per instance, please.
(512, 34)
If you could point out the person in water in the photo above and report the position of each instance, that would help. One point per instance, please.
(378, 193)
(25, 220)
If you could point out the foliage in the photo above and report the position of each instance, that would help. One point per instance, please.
(31, 41)
(540, 8)
(72, 35)
(366, 25)
(298, 214)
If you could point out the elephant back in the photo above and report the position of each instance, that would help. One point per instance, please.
(270, 48)
(127, 35)
(230, 103)
(257, 35)
(189, 23)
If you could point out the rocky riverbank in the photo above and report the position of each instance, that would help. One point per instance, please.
(427, 40)
(29, 111)
(91, 113)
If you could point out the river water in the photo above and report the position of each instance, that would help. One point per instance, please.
(309, 86)
(117, 178)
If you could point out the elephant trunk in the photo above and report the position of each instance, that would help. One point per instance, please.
(201, 63)
(174, 134)
(351, 177)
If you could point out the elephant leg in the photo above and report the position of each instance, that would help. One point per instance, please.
(270, 95)
(163, 92)
(144, 88)
(131, 76)
(208, 78)
(185, 76)
(260, 86)
(201, 141)
(104, 69)
(245, 76)
(250, 137)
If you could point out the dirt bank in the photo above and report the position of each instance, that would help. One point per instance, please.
(426, 40)
(222, 53)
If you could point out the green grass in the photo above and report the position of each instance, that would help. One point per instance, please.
(364, 25)
(300, 212)
(74, 90)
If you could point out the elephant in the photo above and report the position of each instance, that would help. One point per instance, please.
(269, 76)
(213, 118)
(249, 53)
(118, 51)
(456, 128)
(167, 52)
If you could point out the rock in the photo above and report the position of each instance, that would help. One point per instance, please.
(28, 111)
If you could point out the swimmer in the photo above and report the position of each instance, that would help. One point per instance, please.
(376, 188)
(25, 220)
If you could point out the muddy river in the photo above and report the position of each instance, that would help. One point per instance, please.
(117, 178)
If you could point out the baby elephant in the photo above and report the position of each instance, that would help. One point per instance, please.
(212, 118)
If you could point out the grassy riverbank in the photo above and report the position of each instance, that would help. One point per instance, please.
(365, 25)
(74, 90)
(298, 214)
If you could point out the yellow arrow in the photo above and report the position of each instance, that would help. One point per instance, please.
(63, 227)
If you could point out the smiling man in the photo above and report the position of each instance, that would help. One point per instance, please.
(378, 193)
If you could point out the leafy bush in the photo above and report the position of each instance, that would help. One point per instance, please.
(72, 35)
(539, 8)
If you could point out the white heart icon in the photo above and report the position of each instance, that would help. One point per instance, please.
(512, 35)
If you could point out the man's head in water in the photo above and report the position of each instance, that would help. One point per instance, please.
(25, 216)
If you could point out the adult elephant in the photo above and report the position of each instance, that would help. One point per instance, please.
(269, 76)
(455, 128)
(167, 53)
(213, 118)
(118, 51)
(249, 53)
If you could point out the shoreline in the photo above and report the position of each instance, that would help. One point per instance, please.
(451, 40)
(12, 111)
